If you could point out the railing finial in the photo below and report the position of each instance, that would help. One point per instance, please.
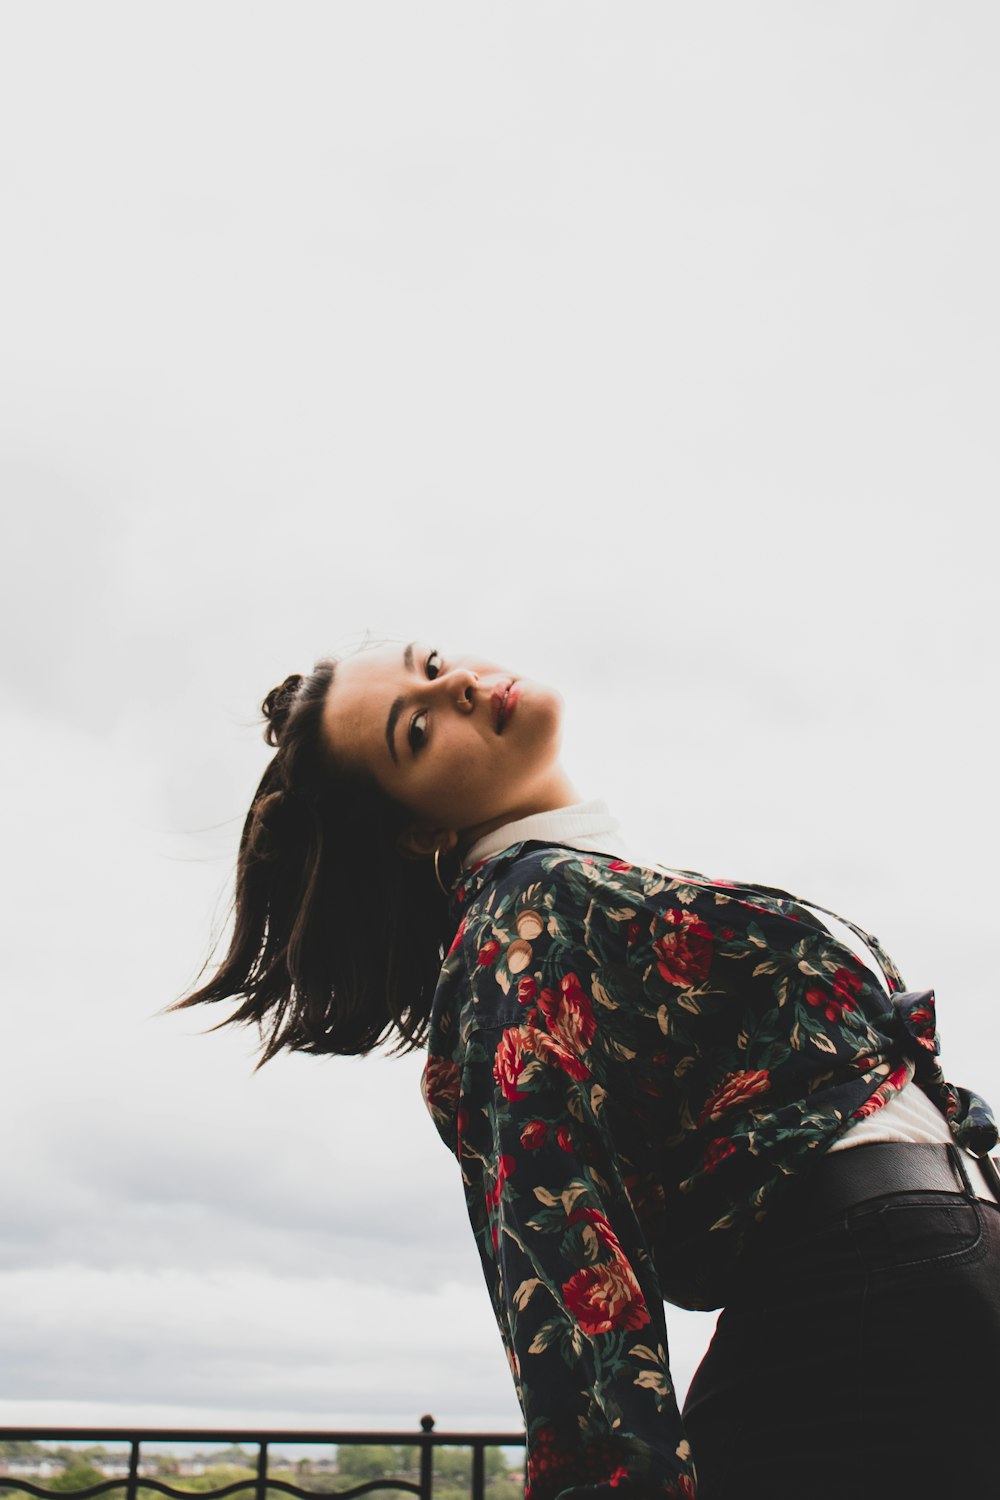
(427, 1423)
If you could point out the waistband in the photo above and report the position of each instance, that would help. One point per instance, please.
(845, 1179)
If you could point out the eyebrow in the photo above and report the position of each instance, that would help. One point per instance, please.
(397, 708)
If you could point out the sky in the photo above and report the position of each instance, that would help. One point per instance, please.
(648, 350)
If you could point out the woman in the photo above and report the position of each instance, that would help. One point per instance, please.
(657, 1086)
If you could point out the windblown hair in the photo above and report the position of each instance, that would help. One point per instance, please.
(338, 936)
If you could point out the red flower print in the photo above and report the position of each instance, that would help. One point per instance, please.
(516, 1048)
(533, 1135)
(548, 1000)
(603, 1298)
(551, 1050)
(632, 934)
(684, 953)
(571, 1018)
(505, 1167)
(459, 935)
(845, 986)
(831, 1007)
(896, 1080)
(619, 865)
(510, 1061)
(717, 1151)
(847, 983)
(735, 1088)
(602, 1462)
(487, 955)
(571, 987)
(921, 1023)
(871, 1106)
(527, 989)
(442, 1085)
(548, 1461)
(564, 1138)
(602, 1229)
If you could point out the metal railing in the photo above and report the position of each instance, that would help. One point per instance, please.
(426, 1440)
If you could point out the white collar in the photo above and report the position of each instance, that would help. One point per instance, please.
(582, 825)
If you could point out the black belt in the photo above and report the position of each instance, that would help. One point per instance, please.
(843, 1179)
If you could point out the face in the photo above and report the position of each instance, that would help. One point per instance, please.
(462, 744)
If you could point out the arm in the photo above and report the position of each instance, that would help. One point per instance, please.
(570, 1275)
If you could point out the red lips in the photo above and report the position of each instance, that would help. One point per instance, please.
(502, 702)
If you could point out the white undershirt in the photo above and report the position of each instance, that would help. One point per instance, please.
(908, 1114)
(583, 825)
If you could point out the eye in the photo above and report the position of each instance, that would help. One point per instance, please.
(417, 733)
(433, 665)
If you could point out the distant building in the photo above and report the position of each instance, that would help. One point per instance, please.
(113, 1466)
(31, 1468)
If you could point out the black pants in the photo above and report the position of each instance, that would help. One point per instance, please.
(859, 1359)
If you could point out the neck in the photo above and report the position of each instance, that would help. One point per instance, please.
(558, 791)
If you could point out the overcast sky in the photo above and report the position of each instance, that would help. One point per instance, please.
(646, 349)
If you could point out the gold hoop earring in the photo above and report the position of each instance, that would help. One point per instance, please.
(437, 871)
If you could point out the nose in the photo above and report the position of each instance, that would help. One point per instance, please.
(459, 687)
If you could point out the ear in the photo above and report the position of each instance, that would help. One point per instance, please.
(422, 842)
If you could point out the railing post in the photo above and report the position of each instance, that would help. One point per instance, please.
(478, 1471)
(426, 1457)
(261, 1486)
(133, 1470)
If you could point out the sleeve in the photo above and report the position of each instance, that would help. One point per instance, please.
(570, 1275)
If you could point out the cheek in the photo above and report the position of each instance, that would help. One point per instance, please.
(449, 791)
(540, 734)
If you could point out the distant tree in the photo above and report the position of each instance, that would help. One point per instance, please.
(358, 1462)
(77, 1475)
(306, 1480)
(163, 1465)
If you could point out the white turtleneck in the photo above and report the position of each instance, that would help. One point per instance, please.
(582, 825)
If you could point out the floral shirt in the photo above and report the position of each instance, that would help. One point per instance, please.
(632, 1067)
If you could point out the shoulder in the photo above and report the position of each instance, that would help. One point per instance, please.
(543, 910)
(548, 904)
(526, 907)
(535, 879)
(536, 888)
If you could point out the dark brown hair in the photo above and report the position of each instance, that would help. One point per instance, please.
(338, 937)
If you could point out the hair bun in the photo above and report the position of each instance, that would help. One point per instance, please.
(278, 705)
